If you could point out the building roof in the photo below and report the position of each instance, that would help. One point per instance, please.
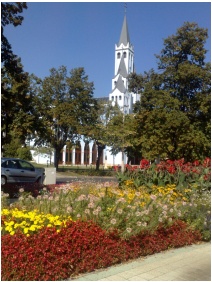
(103, 99)
(122, 67)
(120, 85)
(124, 38)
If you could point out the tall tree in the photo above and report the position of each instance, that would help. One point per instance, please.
(16, 113)
(66, 108)
(173, 116)
(10, 15)
(99, 133)
(120, 134)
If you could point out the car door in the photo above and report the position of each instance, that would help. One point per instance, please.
(12, 171)
(27, 171)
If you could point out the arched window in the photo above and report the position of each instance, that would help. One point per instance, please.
(125, 54)
(118, 55)
(120, 97)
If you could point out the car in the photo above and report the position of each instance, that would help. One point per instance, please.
(14, 170)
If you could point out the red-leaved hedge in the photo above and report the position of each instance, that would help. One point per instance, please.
(81, 247)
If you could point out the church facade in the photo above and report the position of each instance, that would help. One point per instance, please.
(85, 153)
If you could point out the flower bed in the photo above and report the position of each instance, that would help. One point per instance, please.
(81, 247)
(74, 228)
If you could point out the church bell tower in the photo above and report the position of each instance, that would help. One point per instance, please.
(124, 65)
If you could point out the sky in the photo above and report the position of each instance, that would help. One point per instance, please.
(84, 34)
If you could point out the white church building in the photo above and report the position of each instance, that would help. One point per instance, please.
(86, 153)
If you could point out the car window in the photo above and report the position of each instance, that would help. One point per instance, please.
(26, 165)
(10, 164)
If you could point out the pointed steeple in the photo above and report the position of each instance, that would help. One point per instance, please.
(124, 38)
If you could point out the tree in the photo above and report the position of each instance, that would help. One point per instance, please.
(99, 132)
(173, 115)
(120, 134)
(16, 114)
(66, 108)
(10, 15)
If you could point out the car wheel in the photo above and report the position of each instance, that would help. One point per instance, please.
(3, 180)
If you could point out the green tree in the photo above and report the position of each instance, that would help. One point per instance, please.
(120, 134)
(173, 115)
(186, 74)
(16, 114)
(99, 132)
(66, 108)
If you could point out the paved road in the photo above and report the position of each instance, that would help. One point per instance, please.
(190, 263)
(61, 178)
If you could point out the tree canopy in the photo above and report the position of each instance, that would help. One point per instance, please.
(65, 107)
(16, 114)
(173, 115)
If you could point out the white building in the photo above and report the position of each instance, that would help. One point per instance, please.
(86, 153)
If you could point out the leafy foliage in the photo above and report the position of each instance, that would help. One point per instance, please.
(173, 115)
(65, 106)
(16, 112)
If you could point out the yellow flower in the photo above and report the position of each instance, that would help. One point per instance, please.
(26, 230)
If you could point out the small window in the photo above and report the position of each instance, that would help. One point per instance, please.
(118, 55)
(125, 54)
(112, 98)
(120, 97)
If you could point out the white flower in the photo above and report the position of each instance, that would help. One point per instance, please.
(98, 208)
(69, 209)
(91, 205)
(95, 212)
(153, 197)
(113, 221)
(119, 211)
(87, 211)
(138, 213)
(139, 223)
(78, 215)
(21, 190)
(129, 230)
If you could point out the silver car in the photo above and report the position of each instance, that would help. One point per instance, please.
(15, 170)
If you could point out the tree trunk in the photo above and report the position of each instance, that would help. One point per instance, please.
(100, 150)
(56, 158)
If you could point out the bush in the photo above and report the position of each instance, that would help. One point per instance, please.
(24, 153)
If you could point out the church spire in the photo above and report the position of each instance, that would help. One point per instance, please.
(124, 38)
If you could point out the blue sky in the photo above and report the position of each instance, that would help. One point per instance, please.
(84, 34)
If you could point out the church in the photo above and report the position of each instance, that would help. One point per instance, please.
(85, 153)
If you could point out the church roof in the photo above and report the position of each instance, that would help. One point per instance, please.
(124, 38)
(120, 85)
(122, 68)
